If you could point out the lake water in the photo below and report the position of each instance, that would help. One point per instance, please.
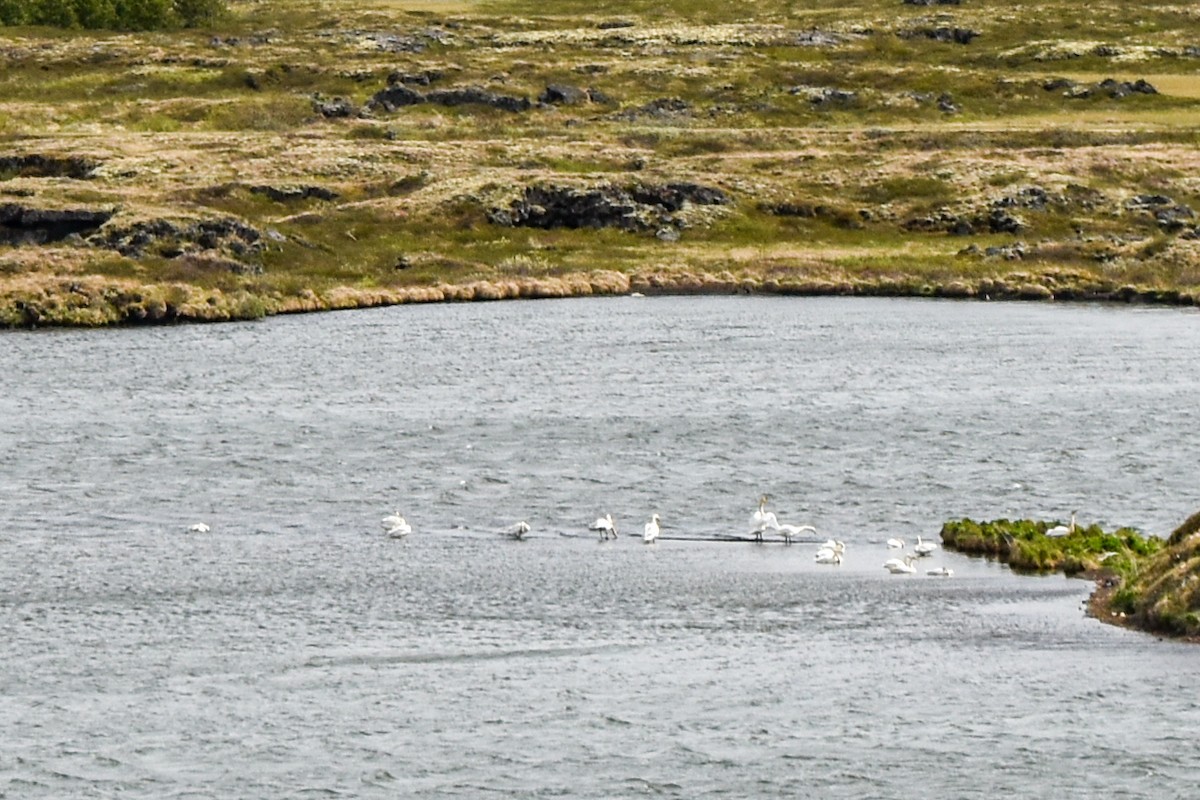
(295, 651)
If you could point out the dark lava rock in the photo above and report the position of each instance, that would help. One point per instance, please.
(291, 194)
(1149, 201)
(828, 94)
(563, 94)
(947, 105)
(1175, 219)
(165, 238)
(1033, 197)
(615, 24)
(337, 108)
(1118, 89)
(816, 38)
(941, 220)
(473, 95)
(931, 2)
(1057, 84)
(423, 78)
(660, 108)
(632, 208)
(1010, 252)
(22, 225)
(942, 34)
(398, 96)
(1112, 88)
(394, 98)
(39, 166)
(1000, 221)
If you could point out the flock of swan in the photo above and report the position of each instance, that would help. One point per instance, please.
(761, 521)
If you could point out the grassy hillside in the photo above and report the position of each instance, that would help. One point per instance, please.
(310, 155)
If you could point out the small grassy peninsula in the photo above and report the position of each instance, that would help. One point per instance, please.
(1143, 582)
(229, 160)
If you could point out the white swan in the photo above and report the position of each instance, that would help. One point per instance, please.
(650, 532)
(828, 557)
(395, 526)
(895, 543)
(762, 520)
(941, 572)
(606, 527)
(897, 566)
(789, 532)
(516, 531)
(1063, 530)
(830, 550)
(199, 527)
(924, 548)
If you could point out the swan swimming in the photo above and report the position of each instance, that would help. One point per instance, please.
(199, 527)
(828, 557)
(895, 543)
(897, 566)
(924, 548)
(941, 572)
(651, 530)
(1062, 530)
(516, 531)
(396, 526)
(606, 526)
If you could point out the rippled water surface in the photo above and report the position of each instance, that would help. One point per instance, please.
(295, 651)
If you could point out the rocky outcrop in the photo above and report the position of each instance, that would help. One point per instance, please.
(941, 34)
(824, 95)
(562, 94)
(167, 239)
(473, 95)
(661, 109)
(1108, 87)
(39, 166)
(21, 225)
(639, 207)
(293, 194)
(399, 96)
(1170, 216)
(335, 108)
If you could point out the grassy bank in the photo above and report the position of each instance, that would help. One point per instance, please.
(1143, 582)
(304, 156)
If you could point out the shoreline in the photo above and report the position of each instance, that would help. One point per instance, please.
(95, 301)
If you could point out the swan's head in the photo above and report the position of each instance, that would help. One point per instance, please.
(655, 518)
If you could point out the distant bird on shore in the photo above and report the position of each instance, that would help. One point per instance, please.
(516, 531)
(396, 526)
(1063, 530)
(199, 527)
(650, 532)
(606, 527)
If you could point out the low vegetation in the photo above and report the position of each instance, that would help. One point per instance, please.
(386, 151)
(130, 15)
(1145, 582)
